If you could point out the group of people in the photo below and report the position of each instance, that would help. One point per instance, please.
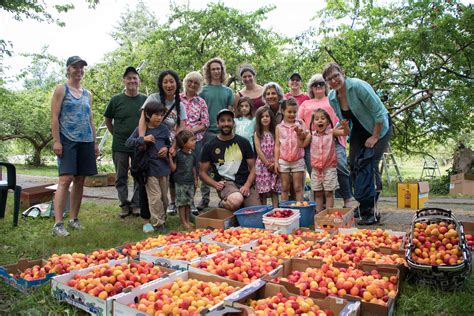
(250, 146)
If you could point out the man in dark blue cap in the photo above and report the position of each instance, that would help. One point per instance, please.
(121, 117)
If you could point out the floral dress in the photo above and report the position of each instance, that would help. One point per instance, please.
(267, 181)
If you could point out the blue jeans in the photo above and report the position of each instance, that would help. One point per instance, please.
(343, 173)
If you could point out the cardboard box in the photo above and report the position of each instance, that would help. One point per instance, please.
(35, 195)
(194, 266)
(322, 221)
(412, 195)
(366, 307)
(172, 263)
(7, 274)
(121, 308)
(219, 218)
(462, 183)
(89, 303)
(260, 289)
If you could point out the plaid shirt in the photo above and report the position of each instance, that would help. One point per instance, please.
(196, 110)
(323, 150)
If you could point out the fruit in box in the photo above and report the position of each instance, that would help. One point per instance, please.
(436, 244)
(351, 254)
(64, 263)
(335, 214)
(280, 213)
(291, 305)
(162, 240)
(243, 266)
(239, 236)
(281, 245)
(304, 203)
(188, 251)
(311, 234)
(369, 286)
(183, 297)
(372, 238)
(105, 281)
(470, 241)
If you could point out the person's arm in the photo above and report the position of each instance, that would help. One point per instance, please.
(135, 140)
(142, 125)
(341, 130)
(109, 124)
(203, 169)
(56, 103)
(258, 149)
(195, 176)
(277, 150)
(304, 141)
(230, 103)
(236, 102)
(245, 189)
(203, 117)
(91, 119)
(172, 162)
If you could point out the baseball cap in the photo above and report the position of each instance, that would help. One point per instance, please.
(130, 69)
(225, 111)
(75, 59)
(297, 75)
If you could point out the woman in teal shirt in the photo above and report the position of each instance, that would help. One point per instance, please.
(355, 100)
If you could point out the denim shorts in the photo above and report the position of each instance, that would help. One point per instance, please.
(78, 158)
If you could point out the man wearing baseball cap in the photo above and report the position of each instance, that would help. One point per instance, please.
(295, 84)
(121, 117)
(233, 162)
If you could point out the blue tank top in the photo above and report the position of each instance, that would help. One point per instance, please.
(74, 118)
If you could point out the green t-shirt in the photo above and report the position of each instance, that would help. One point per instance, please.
(217, 97)
(125, 111)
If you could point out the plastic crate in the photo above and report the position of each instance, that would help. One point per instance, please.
(306, 212)
(446, 277)
(252, 216)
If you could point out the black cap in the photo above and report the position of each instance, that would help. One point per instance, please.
(295, 74)
(225, 111)
(75, 59)
(130, 69)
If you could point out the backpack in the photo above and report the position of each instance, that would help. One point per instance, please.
(140, 166)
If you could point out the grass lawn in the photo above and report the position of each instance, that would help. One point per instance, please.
(103, 229)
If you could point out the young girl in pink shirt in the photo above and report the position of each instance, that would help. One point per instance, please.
(289, 158)
(321, 136)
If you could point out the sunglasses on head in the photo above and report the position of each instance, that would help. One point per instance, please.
(318, 84)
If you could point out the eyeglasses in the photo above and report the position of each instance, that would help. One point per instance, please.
(191, 82)
(318, 84)
(333, 77)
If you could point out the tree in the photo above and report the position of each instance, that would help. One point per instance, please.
(26, 113)
(417, 55)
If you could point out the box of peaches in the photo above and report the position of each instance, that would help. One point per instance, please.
(26, 274)
(334, 218)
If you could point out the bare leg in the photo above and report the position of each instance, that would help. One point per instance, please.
(172, 194)
(187, 212)
(329, 199)
(297, 185)
(60, 197)
(274, 199)
(182, 216)
(263, 198)
(319, 200)
(285, 185)
(76, 195)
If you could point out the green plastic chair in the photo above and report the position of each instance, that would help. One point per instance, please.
(4, 187)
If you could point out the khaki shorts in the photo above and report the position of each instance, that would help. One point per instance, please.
(231, 187)
(326, 182)
(292, 166)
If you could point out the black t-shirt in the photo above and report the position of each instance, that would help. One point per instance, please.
(229, 158)
(185, 163)
(357, 128)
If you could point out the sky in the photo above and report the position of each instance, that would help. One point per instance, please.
(87, 30)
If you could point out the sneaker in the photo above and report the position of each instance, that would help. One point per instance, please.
(161, 229)
(60, 230)
(136, 211)
(194, 210)
(75, 223)
(171, 209)
(148, 228)
(202, 205)
(125, 211)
